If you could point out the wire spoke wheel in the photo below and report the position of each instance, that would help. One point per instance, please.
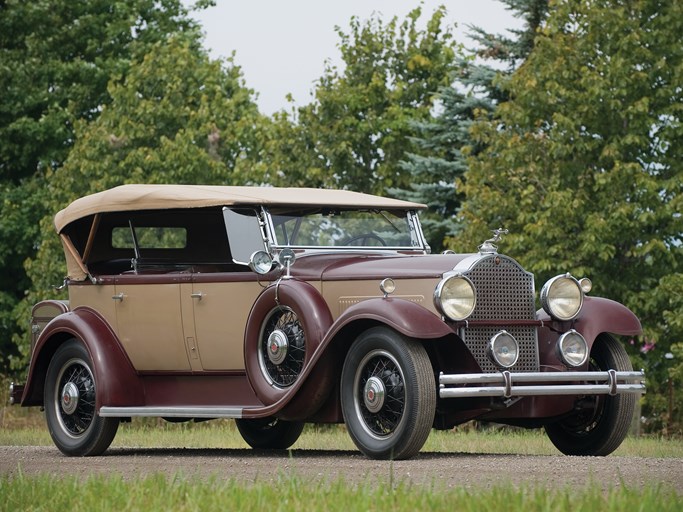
(70, 399)
(388, 394)
(379, 392)
(282, 348)
(75, 397)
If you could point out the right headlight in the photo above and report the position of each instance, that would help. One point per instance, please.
(455, 297)
(562, 297)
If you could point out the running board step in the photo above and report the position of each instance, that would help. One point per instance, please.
(173, 412)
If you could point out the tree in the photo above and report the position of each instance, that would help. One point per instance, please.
(582, 165)
(444, 142)
(356, 129)
(57, 58)
(177, 117)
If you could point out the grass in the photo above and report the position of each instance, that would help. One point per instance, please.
(157, 492)
(22, 426)
(29, 429)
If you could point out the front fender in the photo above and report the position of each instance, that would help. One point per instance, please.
(600, 315)
(117, 382)
(404, 316)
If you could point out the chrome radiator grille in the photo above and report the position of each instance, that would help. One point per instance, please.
(505, 291)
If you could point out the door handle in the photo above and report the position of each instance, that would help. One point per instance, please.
(197, 295)
(118, 296)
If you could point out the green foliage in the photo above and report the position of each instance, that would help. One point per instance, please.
(176, 117)
(444, 142)
(583, 163)
(356, 129)
(56, 60)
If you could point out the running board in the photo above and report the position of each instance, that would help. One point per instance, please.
(173, 412)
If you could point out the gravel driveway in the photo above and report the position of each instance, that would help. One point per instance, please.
(442, 470)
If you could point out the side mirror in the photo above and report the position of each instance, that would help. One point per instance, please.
(286, 258)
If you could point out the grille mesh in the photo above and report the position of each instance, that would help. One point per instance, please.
(505, 291)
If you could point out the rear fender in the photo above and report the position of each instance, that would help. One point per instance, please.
(117, 382)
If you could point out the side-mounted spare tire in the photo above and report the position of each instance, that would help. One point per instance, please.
(285, 327)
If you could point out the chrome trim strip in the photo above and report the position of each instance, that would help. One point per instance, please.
(172, 412)
(610, 382)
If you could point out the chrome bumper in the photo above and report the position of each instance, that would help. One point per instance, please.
(507, 384)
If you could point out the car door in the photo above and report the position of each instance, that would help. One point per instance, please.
(222, 303)
(149, 321)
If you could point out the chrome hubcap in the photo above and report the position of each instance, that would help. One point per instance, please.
(373, 394)
(70, 396)
(277, 346)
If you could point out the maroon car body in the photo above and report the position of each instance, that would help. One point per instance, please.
(280, 307)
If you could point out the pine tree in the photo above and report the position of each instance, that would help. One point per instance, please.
(445, 141)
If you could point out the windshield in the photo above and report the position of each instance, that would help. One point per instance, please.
(346, 228)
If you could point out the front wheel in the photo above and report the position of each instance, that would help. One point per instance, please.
(602, 422)
(269, 433)
(388, 394)
(70, 398)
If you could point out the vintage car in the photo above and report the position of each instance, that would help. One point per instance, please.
(284, 306)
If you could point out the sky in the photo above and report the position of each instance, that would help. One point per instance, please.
(282, 45)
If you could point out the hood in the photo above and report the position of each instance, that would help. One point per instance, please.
(355, 266)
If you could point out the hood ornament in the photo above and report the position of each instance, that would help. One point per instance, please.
(489, 246)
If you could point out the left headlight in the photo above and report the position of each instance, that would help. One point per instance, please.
(455, 297)
(562, 297)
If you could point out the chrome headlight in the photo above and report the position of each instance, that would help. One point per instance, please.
(455, 297)
(503, 349)
(562, 297)
(573, 348)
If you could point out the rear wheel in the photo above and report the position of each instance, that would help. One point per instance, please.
(269, 433)
(603, 421)
(388, 394)
(70, 397)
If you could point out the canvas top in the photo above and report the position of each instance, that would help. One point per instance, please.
(155, 197)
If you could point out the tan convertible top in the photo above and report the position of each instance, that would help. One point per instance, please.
(153, 197)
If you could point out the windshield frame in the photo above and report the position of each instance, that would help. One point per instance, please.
(418, 242)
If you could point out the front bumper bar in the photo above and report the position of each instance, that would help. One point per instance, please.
(507, 384)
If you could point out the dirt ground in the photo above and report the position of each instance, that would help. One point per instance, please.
(437, 469)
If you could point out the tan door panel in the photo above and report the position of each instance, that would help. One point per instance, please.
(220, 315)
(97, 297)
(150, 326)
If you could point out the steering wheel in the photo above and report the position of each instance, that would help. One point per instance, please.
(364, 237)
